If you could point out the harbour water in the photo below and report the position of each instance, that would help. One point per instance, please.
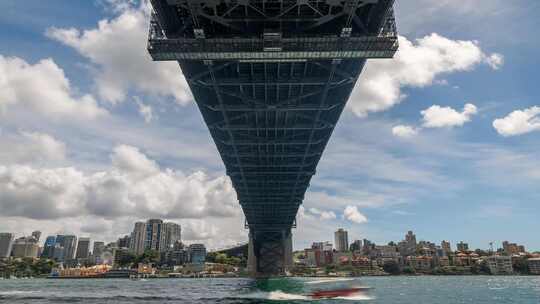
(405, 290)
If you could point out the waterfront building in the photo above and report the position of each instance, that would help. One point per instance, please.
(313, 257)
(420, 263)
(173, 234)
(534, 265)
(25, 247)
(197, 253)
(341, 240)
(385, 251)
(342, 258)
(175, 257)
(124, 242)
(512, 248)
(138, 237)
(500, 264)
(83, 248)
(407, 247)
(48, 247)
(443, 261)
(441, 252)
(446, 247)
(155, 236)
(462, 246)
(356, 245)
(462, 258)
(324, 246)
(367, 247)
(6, 243)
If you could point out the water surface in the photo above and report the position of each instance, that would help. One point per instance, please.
(405, 290)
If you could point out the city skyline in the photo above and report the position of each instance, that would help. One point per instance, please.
(92, 142)
(339, 235)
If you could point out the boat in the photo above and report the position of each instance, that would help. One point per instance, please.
(347, 292)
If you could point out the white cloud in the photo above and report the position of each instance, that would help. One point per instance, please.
(42, 88)
(518, 122)
(404, 131)
(134, 186)
(352, 214)
(414, 65)
(495, 61)
(440, 117)
(30, 147)
(322, 214)
(145, 111)
(118, 48)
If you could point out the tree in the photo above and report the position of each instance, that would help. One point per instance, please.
(409, 270)
(148, 257)
(126, 259)
(391, 267)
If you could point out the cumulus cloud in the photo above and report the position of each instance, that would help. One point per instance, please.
(133, 186)
(404, 131)
(495, 61)
(322, 214)
(24, 147)
(42, 88)
(416, 64)
(518, 122)
(352, 214)
(440, 117)
(117, 47)
(437, 117)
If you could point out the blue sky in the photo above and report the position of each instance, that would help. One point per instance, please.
(441, 140)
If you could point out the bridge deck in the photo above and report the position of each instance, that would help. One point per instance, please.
(271, 79)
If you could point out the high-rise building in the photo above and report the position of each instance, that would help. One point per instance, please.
(172, 234)
(6, 243)
(446, 247)
(155, 235)
(58, 253)
(83, 248)
(356, 245)
(98, 248)
(500, 264)
(48, 247)
(25, 247)
(341, 240)
(512, 248)
(197, 253)
(138, 237)
(462, 246)
(69, 243)
(408, 246)
(124, 242)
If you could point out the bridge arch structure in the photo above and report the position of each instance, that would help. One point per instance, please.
(271, 79)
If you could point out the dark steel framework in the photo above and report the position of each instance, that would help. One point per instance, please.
(271, 78)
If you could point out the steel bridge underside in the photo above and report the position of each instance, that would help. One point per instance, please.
(271, 104)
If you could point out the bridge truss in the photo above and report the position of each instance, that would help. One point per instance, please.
(271, 78)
